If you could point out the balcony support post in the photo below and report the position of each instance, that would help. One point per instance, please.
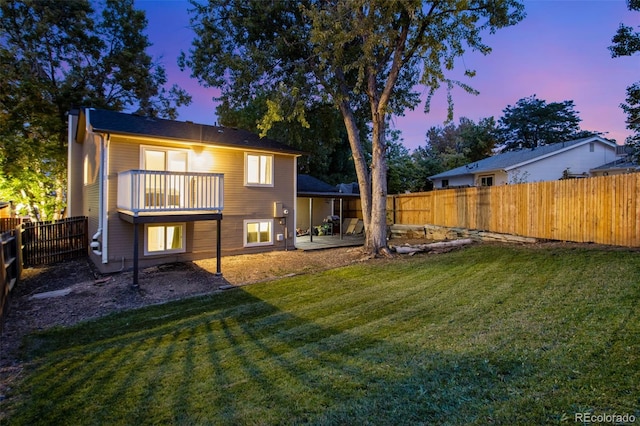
(218, 247)
(135, 256)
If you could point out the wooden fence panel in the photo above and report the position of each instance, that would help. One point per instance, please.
(11, 265)
(604, 210)
(57, 241)
(10, 223)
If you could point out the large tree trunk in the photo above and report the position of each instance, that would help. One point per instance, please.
(377, 231)
(360, 161)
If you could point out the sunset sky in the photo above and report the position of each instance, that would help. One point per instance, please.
(558, 52)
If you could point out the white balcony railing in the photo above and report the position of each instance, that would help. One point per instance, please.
(142, 191)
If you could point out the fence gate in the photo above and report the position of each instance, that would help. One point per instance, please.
(45, 243)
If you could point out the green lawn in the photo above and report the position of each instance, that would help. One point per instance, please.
(488, 334)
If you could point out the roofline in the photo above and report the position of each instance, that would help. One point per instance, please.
(559, 151)
(448, 176)
(326, 194)
(188, 141)
(598, 169)
(292, 151)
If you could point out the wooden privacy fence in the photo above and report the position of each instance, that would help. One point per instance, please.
(55, 241)
(10, 259)
(604, 210)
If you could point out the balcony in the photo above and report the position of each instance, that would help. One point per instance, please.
(150, 192)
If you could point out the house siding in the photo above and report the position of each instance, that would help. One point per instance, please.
(578, 160)
(322, 207)
(240, 203)
(465, 180)
(91, 189)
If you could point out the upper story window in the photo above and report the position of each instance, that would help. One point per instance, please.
(163, 159)
(258, 169)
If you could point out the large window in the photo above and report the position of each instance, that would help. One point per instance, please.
(164, 238)
(258, 232)
(163, 190)
(258, 169)
(156, 158)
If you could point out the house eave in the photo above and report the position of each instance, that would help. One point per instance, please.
(191, 142)
(560, 151)
(308, 194)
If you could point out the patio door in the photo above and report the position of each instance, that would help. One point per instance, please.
(164, 190)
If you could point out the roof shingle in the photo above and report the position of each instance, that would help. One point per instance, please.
(129, 124)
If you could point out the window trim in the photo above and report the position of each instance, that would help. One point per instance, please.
(166, 150)
(246, 169)
(245, 225)
(183, 249)
(493, 179)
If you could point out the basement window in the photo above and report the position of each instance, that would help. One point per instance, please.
(164, 238)
(258, 232)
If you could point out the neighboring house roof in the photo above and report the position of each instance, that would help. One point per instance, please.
(619, 164)
(308, 186)
(514, 159)
(129, 124)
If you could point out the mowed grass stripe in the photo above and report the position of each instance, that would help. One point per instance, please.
(484, 334)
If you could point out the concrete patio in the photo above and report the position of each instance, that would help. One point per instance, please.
(321, 242)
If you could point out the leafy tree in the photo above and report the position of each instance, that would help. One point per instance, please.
(445, 144)
(426, 164)
(55, 55)
(478, 140)
(453, 146)
(359, 55)
(401, 173)
(626, 42)
(533, 122)
(325, 141)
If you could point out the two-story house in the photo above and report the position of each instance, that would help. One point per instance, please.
(155, 191)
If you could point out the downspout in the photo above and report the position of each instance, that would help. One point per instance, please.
(95, 239)
(105, 199)
(99, 240)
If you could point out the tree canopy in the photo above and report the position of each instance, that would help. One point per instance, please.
(626, 42)
(324, 140)
(533, 122)
(356, 54)
(55, 55)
